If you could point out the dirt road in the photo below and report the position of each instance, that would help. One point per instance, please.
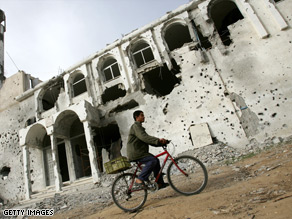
(256, 187)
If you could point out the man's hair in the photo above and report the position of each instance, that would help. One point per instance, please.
(136, 114)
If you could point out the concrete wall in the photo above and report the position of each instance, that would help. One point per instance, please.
(241, 91)
(12, 120)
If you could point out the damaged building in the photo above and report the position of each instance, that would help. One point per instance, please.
(210, 70)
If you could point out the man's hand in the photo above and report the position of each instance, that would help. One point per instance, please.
(163, 141)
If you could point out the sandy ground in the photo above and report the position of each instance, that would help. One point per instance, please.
(255, 187)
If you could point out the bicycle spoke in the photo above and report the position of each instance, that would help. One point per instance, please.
(193, 181)
(124, 198)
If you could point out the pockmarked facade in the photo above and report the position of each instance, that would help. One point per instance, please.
(210, 70)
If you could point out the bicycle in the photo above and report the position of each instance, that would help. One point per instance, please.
(186, 175)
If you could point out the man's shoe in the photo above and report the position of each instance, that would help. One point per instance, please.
(162, 185)
(140, 185)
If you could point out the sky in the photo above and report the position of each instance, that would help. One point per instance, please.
(45, 37)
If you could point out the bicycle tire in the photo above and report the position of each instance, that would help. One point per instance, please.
(194, 182)
(126, 200)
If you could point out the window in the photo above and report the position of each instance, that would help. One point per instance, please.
(142, 54)
(223, 14)
(176, 36)
(51, 94)
(111, 69)
(79, 85)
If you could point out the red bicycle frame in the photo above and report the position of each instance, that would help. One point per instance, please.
(165, 152)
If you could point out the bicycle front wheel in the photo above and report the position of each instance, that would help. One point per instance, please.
(127, 198)
(191, 179)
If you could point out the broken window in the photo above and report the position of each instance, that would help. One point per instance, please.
(176, 36)
(142, 54)
(223, 14)
(48, 161)
(63, 163)
(79, 85)
(79, 149)
(160, 81)
(113, 93)
(111, 69)
(51, 95)
(108, 138)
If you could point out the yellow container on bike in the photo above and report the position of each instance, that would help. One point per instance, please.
(117, 165)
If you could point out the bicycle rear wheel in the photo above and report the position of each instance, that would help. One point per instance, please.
(193, 181)
(126, 198)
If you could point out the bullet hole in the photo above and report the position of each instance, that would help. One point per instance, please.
(4, 172)
(267, 123)
(201, 74)
(191, 76)
(260, 114)
(266, 109)
(273, 115)
(278, 105)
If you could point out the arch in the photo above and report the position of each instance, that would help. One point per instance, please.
(68, 126)
(176, 35)
(142, 53)
(39, 142)
(78, 84)
(224, 13)
(35, 135)
(110, 69)
(48, 96)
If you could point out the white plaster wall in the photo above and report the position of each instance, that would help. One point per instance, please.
(12, 120)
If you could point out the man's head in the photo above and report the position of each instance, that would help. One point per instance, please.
(139, 116)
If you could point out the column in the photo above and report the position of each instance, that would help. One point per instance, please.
(92, 153)
(58, 178)
(276, 15)
(247, 9)
(70, 160)
(26, 172)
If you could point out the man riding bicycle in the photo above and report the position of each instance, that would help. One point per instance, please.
(138, 151)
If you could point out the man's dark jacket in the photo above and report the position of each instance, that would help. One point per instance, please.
(139, 141)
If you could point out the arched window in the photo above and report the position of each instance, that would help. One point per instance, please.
(223, 14)
(142, 54)
(176, 36)
(51, 94)
(79, 85)
(111, 69)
